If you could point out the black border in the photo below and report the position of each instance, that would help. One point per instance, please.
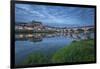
(12, 36)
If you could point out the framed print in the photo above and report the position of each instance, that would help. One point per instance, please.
(49, 34)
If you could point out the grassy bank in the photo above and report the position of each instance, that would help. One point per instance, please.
(77, 51)
(36, 58)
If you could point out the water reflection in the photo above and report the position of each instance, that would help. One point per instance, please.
(38, 37)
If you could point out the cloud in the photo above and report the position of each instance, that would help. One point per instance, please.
(55, 14)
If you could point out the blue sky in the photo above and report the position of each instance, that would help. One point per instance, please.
(54, 15)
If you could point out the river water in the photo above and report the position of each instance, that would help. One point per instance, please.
(43, 42)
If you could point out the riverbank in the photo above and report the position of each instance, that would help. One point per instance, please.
(77, 51)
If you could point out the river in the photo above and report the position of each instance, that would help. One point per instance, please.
(43, 42)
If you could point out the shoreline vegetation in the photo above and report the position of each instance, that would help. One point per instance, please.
(30, 31)
(48, 31)
(77, 51)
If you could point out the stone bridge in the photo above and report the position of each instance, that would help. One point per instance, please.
(77, 29)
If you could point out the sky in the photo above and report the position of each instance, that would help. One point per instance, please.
(61, 16)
